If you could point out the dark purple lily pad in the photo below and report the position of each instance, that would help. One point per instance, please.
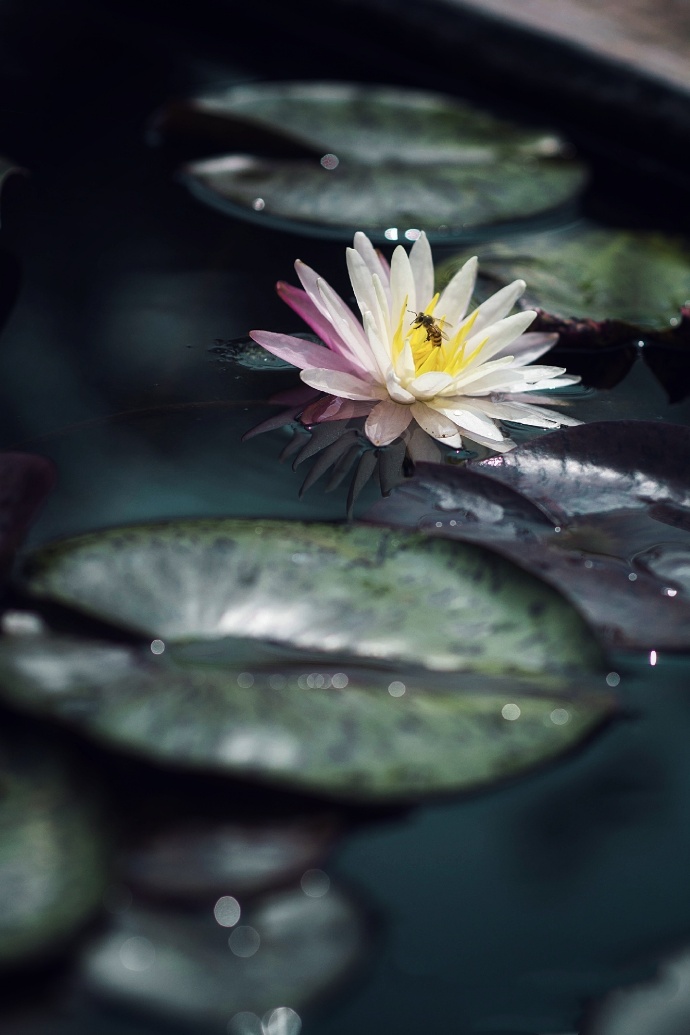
(599, 467)
(600, 511)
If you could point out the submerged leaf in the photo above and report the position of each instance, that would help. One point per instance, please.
(334, 729)
(372, 158)
(336, 588)
(52, 865)
(286, 950)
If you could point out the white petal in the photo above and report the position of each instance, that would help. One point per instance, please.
(386, 422)
(497, 306)
(404, 365)
(396, 390)
(556, 382)
(344, 385)
(426, 386)
(365, 292)
(521, 413)
(316, 287)
(456, 295)
(468, 377)
(356, 341)
(498, 335)
(422, 267)
(473, 422)
(373, 260)
(403, 291)
(379, 351)
(529, 347)
(436, 425)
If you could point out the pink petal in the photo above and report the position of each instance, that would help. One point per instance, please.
(331, 407)
(304, 307)
(386, 422)
(299, 352)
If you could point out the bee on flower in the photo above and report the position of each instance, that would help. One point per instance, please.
(416, 357)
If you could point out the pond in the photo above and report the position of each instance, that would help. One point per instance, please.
(267, 767)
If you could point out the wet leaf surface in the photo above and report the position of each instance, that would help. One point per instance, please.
(591, 272)
(602, 290)
(52, 855)
(600, 511)
(338, 730)
(371, 158)
(286, 950)
(599, 467)
(333, 588)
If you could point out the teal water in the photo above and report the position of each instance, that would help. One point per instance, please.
(509, 911)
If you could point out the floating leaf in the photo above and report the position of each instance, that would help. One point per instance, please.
(347, 588)
(332, 729)
(373, 158)
(51, 846)
(286, 950)
(601, 290)
(600, 511)
(599, 467)
(594, 273)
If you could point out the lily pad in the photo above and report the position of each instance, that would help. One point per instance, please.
(334, 588)
(590, 272)
(601, 511)
(373, 158)
(52, 861)
(335, 729)
(286, 950)
(599, 467)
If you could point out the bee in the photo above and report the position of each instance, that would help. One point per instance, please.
(434, 332)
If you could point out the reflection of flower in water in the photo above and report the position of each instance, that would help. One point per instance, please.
(417, 359)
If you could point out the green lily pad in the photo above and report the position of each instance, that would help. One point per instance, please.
(51, 846)
(373, 158)
(358, 590)
(594, 273)
(338, 730)
(286, 950)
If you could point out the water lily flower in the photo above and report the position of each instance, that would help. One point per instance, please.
(416, 355)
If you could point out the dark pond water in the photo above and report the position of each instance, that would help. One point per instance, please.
(508, 911)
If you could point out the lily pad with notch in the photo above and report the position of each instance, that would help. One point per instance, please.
(372, 158)
(316, 725)
(369, 592)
